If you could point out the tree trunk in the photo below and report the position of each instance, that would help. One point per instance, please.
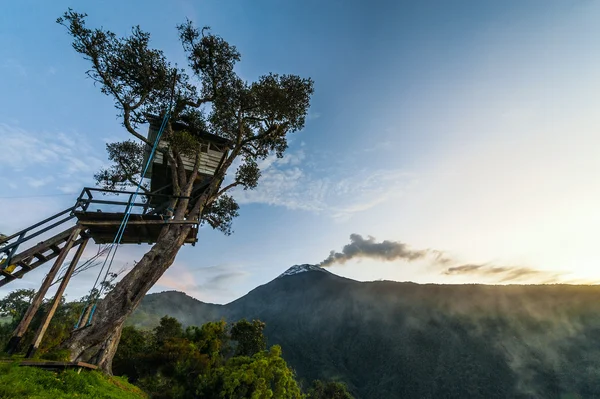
(98, 342)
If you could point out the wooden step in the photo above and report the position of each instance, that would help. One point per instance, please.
(40, 256)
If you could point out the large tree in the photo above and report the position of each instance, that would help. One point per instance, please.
(255, 119)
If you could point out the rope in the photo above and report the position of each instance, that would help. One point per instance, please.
(119, 235)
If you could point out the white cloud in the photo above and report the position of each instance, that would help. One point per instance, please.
(285, 183)
(68, 157)
(37, 183)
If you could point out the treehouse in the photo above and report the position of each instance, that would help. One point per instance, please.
(148, 216)
(213, 152)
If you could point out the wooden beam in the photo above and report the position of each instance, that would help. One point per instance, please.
(39, 335)
(14, 341)
(48, 364)
(135, 222)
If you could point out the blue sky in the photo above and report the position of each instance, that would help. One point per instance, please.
(468, 127)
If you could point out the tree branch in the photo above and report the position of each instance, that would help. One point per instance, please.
(176, 186)
(129, 127)
(228, 187)
(199, 102)
(267, 133)
(190, 184)
(180, 169)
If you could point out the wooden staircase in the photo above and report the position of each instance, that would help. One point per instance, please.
(29, 259)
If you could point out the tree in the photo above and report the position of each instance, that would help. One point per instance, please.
(131, 357)
(15, 304)
(328, 390)
(255, 119)
(168, 328)
(262, 376)
(249, 336)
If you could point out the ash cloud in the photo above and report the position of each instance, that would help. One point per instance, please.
(361, 248)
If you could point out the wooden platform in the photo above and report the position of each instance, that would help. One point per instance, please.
(52, 365)
(103, 226)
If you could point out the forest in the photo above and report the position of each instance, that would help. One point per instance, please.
(215, 360)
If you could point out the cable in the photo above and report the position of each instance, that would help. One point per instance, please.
(119, 235)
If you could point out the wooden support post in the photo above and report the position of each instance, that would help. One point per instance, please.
(15, 340)
(39, 335)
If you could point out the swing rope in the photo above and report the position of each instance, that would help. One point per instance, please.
(114, 246)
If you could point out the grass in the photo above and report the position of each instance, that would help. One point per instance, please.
(34, 383)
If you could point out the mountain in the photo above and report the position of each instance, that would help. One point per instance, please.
(403, 340)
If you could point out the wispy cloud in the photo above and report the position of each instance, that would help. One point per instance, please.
(37, 183)
(209, 284)
(503, 274)
(14, 67)
(293, 182)
(49, 156)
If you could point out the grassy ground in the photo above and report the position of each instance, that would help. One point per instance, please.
(34, 383)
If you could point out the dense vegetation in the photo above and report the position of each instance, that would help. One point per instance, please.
(215, 360)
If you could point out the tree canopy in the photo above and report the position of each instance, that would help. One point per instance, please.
(207, 96)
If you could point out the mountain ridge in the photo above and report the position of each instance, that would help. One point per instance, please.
(389, 339)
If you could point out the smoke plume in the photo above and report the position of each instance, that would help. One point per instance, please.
(369, 248)
(360, 248)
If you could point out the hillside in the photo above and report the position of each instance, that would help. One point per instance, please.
(396, 340)
(32, 382)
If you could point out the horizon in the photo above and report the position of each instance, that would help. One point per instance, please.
(453, 144)
(378, 281)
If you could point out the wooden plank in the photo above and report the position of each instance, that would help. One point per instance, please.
(56, 364)
(39, 335)
(39, 296)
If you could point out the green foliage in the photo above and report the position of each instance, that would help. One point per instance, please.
(220, 213)
(172, 363)
(184, 143)
(168, 328)
(127, 157)
(131, 359)
(328, 390)
(249, 336)
(57, 354)
(15, 304)
(262, 376)
(31, 382)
